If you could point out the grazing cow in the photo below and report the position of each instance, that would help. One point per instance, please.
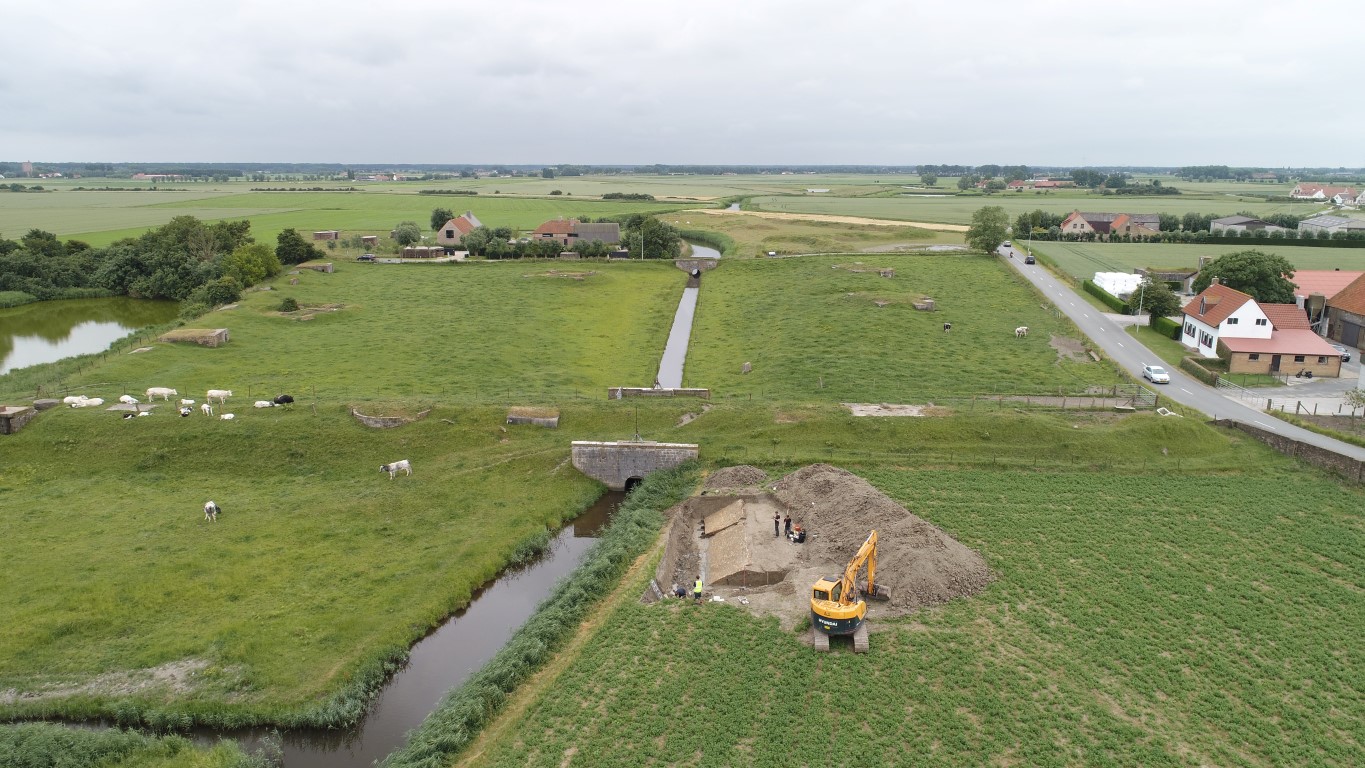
(396, 467)
(221, 395)
(1021, 332)
(127, 399)
(211, 511)
(163, 392)
(746, 367)
(947, 327)
(263, 404)
(283, 400)
(228, 416)
(185, 410)
(206, 409)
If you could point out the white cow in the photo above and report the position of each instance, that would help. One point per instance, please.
(393, 469)
(163, 392)
(228, 416)
(221, 395)
(263, 404)
(127, 399)
(187, 402)
(1021, 332)
(211, 511)
(92, 402)
(73, 399)
(144, 413)
(206, 409)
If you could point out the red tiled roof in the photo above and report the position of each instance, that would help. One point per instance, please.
(1221, 301)
(1285, 317)
(556, 227)
(1351, 298)
(459, 223)
(1295, 342)
(1328, 282)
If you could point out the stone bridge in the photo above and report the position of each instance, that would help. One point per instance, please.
(622, 465)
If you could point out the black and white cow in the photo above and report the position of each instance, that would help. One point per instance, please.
(211, 511)
(396, 467)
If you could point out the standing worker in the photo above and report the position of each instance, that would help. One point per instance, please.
(787, 524)
(777, 521)
(696, 590)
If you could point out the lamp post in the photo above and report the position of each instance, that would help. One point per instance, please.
(642, 243)
(1142, 287)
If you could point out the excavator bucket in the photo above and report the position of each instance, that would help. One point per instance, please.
(878, 592)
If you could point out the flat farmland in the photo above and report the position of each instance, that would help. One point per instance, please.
(1131, 623)
(1085, 259)
(473, 332)
(959, 210)
(755, 236)
(813, 330)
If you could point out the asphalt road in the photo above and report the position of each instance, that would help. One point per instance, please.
(1130, 354)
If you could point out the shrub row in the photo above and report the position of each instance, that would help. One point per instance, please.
(1167, 326)
(1108, 299)
(718, 240)
(467, 709)
(1195, 368)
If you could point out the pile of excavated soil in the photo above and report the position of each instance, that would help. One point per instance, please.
(743, 476)
(916, 560)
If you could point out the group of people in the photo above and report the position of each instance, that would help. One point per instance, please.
(679, 592)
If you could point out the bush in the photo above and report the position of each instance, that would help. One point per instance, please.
(1105, 297)
(289, 305)
(1195, 367)
(1166, 326)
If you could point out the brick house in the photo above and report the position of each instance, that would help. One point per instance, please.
(1079, 223)
(453, 231)
(1346, 314)
(1255, 338)
(1311, 191)
(570, 231)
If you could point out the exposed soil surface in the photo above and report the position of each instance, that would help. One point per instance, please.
(1068, 348)
(835, 219)
(887, 409)
(746, 563)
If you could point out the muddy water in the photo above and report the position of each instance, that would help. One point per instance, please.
(442, 660)
(675, 352)
(700, 251)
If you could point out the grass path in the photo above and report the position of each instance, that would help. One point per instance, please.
(530, 692)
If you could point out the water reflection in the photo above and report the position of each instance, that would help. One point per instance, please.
(47, 331)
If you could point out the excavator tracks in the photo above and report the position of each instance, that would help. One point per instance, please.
(819, 640)
(860, 644)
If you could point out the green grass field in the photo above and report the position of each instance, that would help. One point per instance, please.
(464, 333)
(1132, 622)
(755, 237)
(813, 331)
(959, 210)
(1085, 259)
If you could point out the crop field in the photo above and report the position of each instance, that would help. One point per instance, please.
(813, 330)
(754, 236)
(959, 210)
(464, 333)
(1133, 621)
(1085, 259)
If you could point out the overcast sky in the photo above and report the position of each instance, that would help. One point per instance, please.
(1060, 82)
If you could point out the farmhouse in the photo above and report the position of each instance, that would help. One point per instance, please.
(1079, 223)
(453, 231)
(573, 231)
(1315, 288)
(1346, 314)
(1243, 224)
(1331, 225)
(1312, 191)
(1051, 184)
(1255, 338)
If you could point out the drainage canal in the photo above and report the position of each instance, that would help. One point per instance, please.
(675, 351)
(440, 661)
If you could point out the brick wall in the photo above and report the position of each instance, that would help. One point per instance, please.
(1349, 468)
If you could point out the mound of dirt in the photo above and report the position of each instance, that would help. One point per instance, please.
(916, 560)
(742, 476)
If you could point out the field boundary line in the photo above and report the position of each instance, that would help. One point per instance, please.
(530, 692)
(834, 218)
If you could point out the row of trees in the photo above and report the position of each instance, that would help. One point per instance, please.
(187, 260)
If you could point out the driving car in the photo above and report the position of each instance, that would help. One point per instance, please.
(1029, 259)
(1156, 374)
(1005, 244)
(1345, 352)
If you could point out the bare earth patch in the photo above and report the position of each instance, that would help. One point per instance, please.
(885, 409)
(560, 273)
(176, 677)
(309, 311)
(835, 219)
(1068, 348)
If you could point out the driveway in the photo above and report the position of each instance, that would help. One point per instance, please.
(1128, 353)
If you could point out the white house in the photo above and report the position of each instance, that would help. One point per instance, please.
(1219, 311)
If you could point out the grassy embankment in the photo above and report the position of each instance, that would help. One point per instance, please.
(38, 745)
(750, 236)
(1178, 621)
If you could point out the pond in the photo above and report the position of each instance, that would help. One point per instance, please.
(47, 331)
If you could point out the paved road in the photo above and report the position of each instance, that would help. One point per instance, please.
(1129, 354)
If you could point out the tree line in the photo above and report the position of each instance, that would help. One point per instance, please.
(200, 265)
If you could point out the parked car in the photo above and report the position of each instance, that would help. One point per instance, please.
(1345, 352)
(365, 257)
(1029, 259)
(1156, 374)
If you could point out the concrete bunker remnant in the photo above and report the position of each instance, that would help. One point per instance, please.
(14, 417)
(615, 464)
(540, 417)
(387, 422)
(204, 337)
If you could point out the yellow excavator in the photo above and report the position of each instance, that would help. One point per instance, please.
(836, 605)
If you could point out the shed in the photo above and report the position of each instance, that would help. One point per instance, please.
(327, 234)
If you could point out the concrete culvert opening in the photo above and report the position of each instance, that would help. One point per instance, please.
(633, 482)
(727, 535)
